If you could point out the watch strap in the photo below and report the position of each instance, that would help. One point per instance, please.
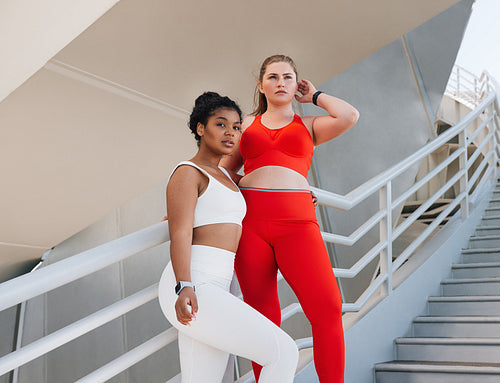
(181, 284)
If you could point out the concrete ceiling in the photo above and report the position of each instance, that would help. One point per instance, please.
(104, 119)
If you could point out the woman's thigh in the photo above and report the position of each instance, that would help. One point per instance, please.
(226, 323)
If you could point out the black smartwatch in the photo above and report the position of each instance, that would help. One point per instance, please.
(315, 97)
(181, 284)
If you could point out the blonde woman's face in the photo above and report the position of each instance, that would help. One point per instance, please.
(279, 83)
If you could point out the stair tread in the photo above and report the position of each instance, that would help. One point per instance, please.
(417, 366)
(458, 319)
(481, 237)
(481, 250)
(491, 217)
(470, 280)
(466, 298)
(474, 265)
(451, 341)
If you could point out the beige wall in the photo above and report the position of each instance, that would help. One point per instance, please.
(32, 32)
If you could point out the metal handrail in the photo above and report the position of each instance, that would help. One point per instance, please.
(48, 278)
(371, 186)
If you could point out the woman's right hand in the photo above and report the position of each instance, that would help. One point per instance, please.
(186, 306)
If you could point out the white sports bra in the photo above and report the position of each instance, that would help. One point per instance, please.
(218, 203)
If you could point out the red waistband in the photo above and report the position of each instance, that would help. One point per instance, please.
(279, 204)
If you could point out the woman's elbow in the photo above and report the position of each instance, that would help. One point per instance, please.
(353, 117)
(349, 119)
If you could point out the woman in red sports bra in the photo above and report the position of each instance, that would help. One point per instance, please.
(280, 229)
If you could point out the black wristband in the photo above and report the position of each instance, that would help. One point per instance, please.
(315, 97)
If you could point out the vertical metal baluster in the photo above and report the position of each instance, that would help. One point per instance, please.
(385, 203)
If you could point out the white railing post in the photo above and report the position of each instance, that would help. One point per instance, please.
(464, 180)
(496, 143)
(385, 203)
(476, 95)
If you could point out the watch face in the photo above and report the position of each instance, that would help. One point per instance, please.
(180, 285)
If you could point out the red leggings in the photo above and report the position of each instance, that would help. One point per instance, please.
(280, 231)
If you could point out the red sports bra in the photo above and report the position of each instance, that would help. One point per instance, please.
(290, 146)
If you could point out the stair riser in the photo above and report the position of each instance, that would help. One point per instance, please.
(484, 243)
(490, 222)
(429, 377)
(490, 288)
(480, 257)
(491, 211)
(448, 353)
(463, 308)
(480, 232)
(477, 272)
(494, 204)
(460, 330)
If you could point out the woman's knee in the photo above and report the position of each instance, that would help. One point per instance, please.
(288, 350)
(330, 310)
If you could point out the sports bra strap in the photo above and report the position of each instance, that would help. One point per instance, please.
(193, 165)
(225, 172)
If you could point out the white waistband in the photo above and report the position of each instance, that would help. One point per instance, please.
(213, 261)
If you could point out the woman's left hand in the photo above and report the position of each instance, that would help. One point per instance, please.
(314, 199)
(307, 89)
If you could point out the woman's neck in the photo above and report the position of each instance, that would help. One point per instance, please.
(207, 158)
(279, 112)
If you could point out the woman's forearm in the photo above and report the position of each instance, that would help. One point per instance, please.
(180, 256)
(339, 109)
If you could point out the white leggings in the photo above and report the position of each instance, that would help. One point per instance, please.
(224, 325)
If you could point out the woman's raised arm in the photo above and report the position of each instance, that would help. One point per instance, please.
(342, 115)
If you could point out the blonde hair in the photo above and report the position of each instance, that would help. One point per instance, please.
(260, 101)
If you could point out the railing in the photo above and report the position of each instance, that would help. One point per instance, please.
(25, 287)
(382, 184)
(467, 88)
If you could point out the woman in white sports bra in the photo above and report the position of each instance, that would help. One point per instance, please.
(205, 210)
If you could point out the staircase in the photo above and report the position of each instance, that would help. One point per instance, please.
(459, 339)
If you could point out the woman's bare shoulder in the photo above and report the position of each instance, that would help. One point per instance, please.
(247, 121)
(186, 174)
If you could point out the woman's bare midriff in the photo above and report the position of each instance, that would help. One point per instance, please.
(274, 177)
(221, 235)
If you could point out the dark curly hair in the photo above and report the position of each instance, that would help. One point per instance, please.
(205, 106)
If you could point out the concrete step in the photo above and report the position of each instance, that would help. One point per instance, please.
(470, 286)
(476, 270)
(484, 242)
(464, 305)
(480, 255)
(492, 211)
(490, 220)
(477, 350)
(487, 230)
(437, 372)
(494, 202)
(457, 326)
